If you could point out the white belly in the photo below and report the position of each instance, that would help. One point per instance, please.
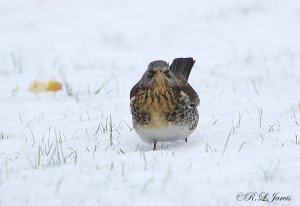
(162, 134)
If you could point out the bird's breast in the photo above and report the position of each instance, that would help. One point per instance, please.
(157, 101)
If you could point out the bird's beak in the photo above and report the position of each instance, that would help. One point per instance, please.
(159, 74)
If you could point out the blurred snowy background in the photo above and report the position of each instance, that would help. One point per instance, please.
(77, 146)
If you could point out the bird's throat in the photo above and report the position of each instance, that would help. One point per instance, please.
(159, 83)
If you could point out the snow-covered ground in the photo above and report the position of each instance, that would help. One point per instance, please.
(77, 146)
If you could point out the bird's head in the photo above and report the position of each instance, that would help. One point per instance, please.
(158, 73)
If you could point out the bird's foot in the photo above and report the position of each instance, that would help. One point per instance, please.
(154, 146)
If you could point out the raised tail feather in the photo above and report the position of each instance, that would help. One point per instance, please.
(182, 66)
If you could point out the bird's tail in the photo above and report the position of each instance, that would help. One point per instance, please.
(182, 66)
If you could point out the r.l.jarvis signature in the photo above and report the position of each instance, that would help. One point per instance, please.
(263, 196)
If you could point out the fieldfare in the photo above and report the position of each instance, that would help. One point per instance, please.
(163, 104)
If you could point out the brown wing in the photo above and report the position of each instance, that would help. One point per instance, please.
(185, 87)
(134, 90)
(192, 94)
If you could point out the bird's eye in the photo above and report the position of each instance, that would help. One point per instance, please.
(167, 73)
(150, 74)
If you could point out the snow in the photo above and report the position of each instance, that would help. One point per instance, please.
(77, 146)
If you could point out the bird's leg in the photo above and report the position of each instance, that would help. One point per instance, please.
(154, 146)
(185, 140)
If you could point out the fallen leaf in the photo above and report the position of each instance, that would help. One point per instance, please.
(54, 86)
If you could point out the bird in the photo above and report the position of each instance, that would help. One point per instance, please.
(163, 104)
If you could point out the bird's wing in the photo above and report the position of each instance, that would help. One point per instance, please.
(134, 90)
(191, 93)
(185, 87)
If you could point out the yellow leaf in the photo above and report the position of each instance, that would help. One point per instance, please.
(53, 86)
